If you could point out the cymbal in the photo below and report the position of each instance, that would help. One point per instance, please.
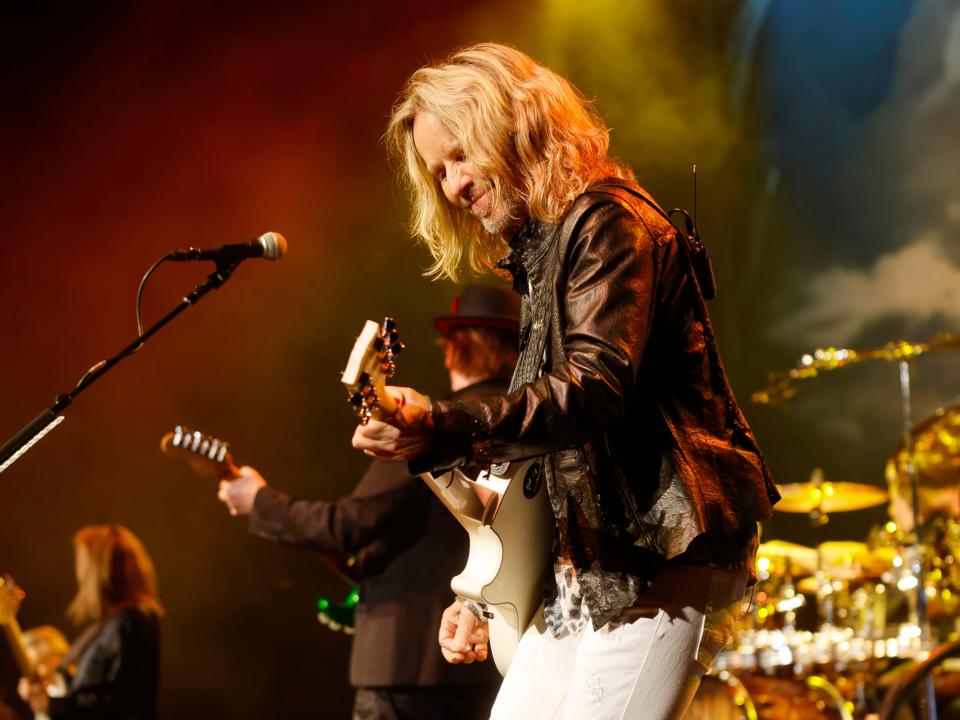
(846, 559)
(781, 384)
(799, 559)
(936, 452)
(828, 497)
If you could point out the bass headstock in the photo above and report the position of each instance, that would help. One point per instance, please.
(371, 363)
(207, 455)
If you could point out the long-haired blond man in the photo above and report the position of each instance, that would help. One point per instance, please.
(655, 480)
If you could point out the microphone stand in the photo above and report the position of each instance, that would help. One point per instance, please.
(20, 443)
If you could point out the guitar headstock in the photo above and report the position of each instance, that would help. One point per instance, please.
(10, 598)
(371, 364)
(206, 454)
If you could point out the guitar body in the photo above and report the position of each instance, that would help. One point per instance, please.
(510, 540)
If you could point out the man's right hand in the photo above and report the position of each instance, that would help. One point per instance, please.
(238, 494)
(463, 637)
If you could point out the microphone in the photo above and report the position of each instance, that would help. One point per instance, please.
(269, 246)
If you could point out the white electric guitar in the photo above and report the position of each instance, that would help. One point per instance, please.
(510, 532)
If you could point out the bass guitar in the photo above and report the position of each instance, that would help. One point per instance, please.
(509, 530)
(35, 666)
(210, 457)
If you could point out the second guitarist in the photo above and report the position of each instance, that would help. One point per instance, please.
(410, 544)
(111, 670)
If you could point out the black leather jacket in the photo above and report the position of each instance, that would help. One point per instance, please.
(116, 665)
(621, 387)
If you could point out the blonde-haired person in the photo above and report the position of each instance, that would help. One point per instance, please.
(655, 480)
(544, 150)
(111, 669)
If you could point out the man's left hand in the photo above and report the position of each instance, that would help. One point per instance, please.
(403, 436)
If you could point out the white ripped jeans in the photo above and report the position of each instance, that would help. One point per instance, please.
(649, 667)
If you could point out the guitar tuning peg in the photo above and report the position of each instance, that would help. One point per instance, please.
(356, 399)
(378, 344)
(393, 336)
(389, 324)
(397, 347)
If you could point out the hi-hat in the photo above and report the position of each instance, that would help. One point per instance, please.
(828, 497)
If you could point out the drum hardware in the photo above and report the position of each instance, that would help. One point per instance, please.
(933, 455)
(725, 696)
(854, 642)
(918, 598)
(778, 562)
(920, 675)
(722, 696)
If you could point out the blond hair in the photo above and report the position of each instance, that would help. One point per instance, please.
(113, 571)
(520, 124)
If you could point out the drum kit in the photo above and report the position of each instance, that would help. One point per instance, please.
(842, 629)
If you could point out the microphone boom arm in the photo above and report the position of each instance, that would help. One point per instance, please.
(17, 445)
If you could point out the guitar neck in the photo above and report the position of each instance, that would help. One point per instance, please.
(18, 646)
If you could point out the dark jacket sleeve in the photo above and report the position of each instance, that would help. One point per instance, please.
(343, 526)
(116, 674)
(607, 286)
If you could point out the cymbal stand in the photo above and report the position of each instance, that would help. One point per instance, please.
(928, 705)
(818, 519)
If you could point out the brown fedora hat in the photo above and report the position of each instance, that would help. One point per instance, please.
(482, 306)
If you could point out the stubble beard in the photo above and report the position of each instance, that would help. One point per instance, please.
(501, 216)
